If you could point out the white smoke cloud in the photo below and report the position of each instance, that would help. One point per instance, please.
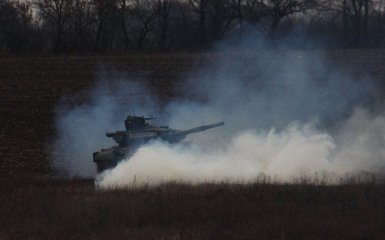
(285, 112)
(361, 141)
(249, 154)
(81, 130)
(358, 147)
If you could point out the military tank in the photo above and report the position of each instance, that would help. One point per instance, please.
(138, 132)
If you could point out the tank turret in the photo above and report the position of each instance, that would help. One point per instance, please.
(138, 132)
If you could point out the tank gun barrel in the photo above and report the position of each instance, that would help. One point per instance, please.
(136, 134)
(202, 128)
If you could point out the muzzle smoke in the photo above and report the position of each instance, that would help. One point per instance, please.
(286, 112)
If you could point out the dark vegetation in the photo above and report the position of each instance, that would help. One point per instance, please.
(62, 209)
(84, 26)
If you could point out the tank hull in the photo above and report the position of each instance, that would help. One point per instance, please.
(138, 132)
(110, 157)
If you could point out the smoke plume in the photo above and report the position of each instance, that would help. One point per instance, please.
(81, 129)
(286, 112)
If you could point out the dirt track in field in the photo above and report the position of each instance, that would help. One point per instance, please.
(31, 88)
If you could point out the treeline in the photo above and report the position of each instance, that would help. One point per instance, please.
(73, 26)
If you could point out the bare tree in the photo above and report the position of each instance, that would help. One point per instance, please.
(254, 10)
(144, 13)
(164, 10)
(378, 17)
(355, 16)
(125, 25)
(8, 16)
(200, 7)
(182, 27)
(103, 10)
(358, 13)
(25, 12)
(123, 13)
(270, 13)
(16, 27)
(279, 9)
(56, 13)
(80, 23)
(223, 15)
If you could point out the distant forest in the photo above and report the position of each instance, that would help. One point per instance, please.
(119, 26)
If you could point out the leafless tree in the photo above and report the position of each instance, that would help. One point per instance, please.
(201, 7)
(8, 15)
(183, 34)
(355, 16)
(254, 10)
(57, 13)
(164, 8)
(277, 10)
(16, 27)
(126, 25)
(80, 23)
(143, 15)
(358, 13)
(223, 15)
(104, 9)
(124, 9)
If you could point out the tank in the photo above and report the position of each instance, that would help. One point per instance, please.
(138, 132)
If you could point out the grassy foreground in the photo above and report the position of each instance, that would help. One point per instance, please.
(73, 209)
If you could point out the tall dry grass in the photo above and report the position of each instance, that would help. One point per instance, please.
(41, 208)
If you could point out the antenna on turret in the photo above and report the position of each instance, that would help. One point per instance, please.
(133, 111)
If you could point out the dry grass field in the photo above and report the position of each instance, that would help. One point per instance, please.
(62, 209)
(36, 206)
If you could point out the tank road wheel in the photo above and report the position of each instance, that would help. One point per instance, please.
(105, 159)
(104, 165)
